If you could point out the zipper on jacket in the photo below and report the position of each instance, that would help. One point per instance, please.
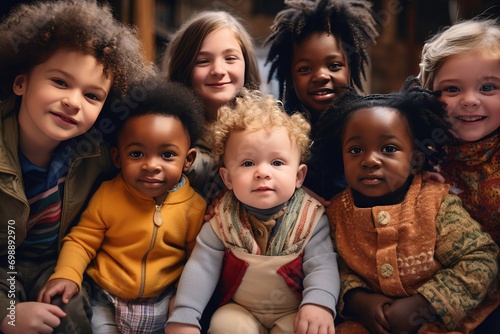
(157, 218)
(158, 221)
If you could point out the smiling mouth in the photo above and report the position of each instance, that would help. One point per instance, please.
(64, 118)
(471, 119)
(323, 92)
(218, 84)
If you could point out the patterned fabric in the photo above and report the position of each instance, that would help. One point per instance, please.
(427, 244)
(44, 190)
(142, 315)
(474, 170)
(239, 235)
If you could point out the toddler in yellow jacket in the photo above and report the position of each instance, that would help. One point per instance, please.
(140, 227)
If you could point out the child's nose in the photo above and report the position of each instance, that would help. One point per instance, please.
(371, 160)
(469, 99)
(72, 100)
(262, 171)
(151, 164)
(321, 76)
(218, 68)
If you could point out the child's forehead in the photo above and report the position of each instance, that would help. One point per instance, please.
(317, 37)
(376, 115)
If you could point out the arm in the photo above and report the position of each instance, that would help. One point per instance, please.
(81, 244)
(198, 281)
(321, 281)
(468, 257)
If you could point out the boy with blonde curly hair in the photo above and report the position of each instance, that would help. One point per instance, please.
(268, 237)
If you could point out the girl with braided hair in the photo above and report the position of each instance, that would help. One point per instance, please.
(411, 257)
(317, 49)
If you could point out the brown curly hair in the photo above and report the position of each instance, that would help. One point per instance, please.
(253, 111)
(32, 33)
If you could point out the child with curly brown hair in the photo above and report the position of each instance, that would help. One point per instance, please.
(60, 62)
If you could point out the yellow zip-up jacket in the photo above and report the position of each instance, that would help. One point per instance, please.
(128, 252)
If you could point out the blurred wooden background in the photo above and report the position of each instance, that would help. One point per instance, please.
(405, 26)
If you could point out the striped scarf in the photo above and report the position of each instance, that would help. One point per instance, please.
(236, 230)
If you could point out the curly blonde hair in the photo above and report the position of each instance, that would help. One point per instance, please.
(254, 111)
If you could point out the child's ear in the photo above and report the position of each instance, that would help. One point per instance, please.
(115, 156)
(19, 85)
(191, 155)
(226, 178)
(417, 162)
(301, 175)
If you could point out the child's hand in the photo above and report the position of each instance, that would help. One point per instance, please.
(178, 328)
(58, 286)
(369, 308)
(313, 319)
(33, 317)
(407, 315)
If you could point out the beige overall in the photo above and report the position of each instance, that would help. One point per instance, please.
(263, 302)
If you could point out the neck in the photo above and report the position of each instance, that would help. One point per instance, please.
(36, 152)
(211, 113)
(264, 214)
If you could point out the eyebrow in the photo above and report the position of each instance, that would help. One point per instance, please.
(383, 136)
(333, 56)
(105, 92)
(484, 78)
(230, 50)
(491, 78)
(139, 144)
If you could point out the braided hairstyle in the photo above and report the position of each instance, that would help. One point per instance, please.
(351, 21)
(421, 108)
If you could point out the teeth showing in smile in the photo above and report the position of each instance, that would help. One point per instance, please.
(323, 92)
(471, 119)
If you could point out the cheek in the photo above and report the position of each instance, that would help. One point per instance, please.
(197, 78)
(92, 114)
(240, 76)
(300, 86)
(345, 77)
(449, 103)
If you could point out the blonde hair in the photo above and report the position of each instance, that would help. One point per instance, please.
(253, 111)
(464, 37)
(180, 56)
